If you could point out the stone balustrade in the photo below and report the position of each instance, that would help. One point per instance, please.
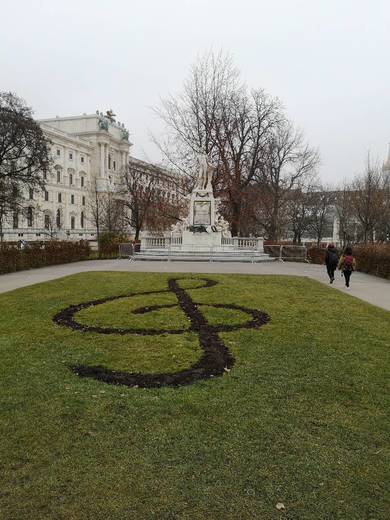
(235, 242)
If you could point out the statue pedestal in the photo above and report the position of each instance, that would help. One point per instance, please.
(202, 208)
(197, 241)
(202, 233)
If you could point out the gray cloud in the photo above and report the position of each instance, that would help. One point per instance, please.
(327, 60)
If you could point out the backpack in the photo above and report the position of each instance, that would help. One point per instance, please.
(333, 258)
(348, 263)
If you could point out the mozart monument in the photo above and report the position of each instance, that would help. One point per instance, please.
(204, 234)
(204, 227)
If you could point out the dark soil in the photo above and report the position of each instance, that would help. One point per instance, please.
(215, 359)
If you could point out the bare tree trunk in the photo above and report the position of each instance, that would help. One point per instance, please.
(97, 221)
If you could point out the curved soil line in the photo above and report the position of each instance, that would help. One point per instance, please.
(215, 359)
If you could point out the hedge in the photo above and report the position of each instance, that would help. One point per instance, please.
(109, 244)
(370, 258)
(40, 254)
(316, 255)
(373, 259)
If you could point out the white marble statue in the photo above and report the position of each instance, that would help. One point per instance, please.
(205, 174)
(180, 226)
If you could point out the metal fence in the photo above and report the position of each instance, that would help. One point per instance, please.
(287, 252)
(126, 250)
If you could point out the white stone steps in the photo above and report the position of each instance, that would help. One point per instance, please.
(204, 256)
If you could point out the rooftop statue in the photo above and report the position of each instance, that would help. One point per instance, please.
(110, 115)
(103, 122)
(124, 134)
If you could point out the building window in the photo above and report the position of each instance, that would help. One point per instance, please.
(15, 220)
(82, 219)
(58, 218)
(70, 156)
(31, 194)
(82, 159)
(58, 176)
(46, 195)
(109, 161)
(82, 182)
(58, 152)
(29, 216)
(70, 178)
(72, 199)
(47, 221)
(83, 201)
(72, 222)
(114, 165)
(59, 197)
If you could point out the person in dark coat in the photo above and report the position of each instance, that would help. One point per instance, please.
(331, 261)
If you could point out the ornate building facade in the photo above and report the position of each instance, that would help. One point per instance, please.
(89, 153)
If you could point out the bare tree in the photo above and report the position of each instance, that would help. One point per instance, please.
(367, 199)
(383, 223)
(113, 213)
(11, 203)
(137, 197)
(24, 153)
(320, 204)
(146, 202)
(217, 115)
(345, 215)
(106, 212)
(96, 211)
(298, 211)
(286, 164)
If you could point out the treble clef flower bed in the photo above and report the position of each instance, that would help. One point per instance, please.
(215, 358)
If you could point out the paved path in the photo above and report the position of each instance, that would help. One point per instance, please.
(366, 287)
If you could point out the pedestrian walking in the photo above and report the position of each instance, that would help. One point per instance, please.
(347, 264)
(331, 261)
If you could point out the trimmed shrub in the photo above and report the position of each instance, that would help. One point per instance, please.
(40, 254)
(109, 244)
(373, 259)
(316, 255)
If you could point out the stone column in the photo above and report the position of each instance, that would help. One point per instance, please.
(260, 244)
(102, 169)
(336, 230)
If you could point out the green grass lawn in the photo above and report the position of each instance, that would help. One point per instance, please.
(302, 418)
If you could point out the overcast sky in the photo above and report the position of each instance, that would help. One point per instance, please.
(327, 60)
